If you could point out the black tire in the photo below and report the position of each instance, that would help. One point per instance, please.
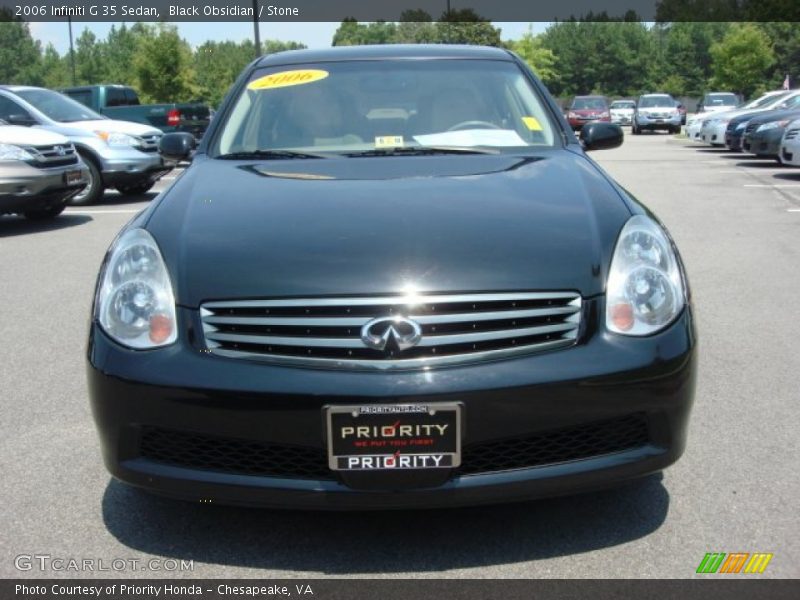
(92, 192)
(43, 214)
(635, 130)
(676, 130)
(136, 189)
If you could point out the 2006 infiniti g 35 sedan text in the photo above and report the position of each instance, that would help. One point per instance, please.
(391, 277)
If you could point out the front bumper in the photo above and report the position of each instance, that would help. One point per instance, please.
(24, 187)
(764, 143)
(714, 134)
(790, 152)
(643, 122)
(125, 166)
(733, 139)
(215, 418)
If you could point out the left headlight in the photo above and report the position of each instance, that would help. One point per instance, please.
(645, 290)
(11, 152)
(135, 304)
(772, 125)
(117, 139)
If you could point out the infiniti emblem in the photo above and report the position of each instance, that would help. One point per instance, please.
(377, 333)
(60, 150)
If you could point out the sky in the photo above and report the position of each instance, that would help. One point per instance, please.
(313, 35)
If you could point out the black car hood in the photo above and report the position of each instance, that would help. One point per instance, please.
(776, 115)
(245, 229)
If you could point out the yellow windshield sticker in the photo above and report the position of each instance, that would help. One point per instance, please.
(389, 141)
(532, 123)
(287, 78)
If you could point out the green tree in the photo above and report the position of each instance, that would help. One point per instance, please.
(531, 49)
(54, 69)
(741, 59)
(785, 39)
(19, 52)
(89, 59)
(273, 46)
(217, 65)
(353, 33)
(163, 66)
(467, 27)
(416, 27)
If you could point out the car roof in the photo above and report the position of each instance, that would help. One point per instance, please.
(19, 88)
(383, 52)
(655, 96)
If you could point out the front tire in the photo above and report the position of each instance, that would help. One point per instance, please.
(44, 214)
(94, 189)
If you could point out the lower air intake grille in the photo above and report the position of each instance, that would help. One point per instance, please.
(248, 457)
(575, 443)
(228, 455)
(449, 329)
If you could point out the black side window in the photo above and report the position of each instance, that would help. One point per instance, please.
(115, 97)
(8, 107)
(131, 98)
(82, 96)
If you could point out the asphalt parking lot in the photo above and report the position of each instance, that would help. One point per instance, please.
(736, 220)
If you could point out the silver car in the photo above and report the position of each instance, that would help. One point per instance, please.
(39, 172)
(118, 154)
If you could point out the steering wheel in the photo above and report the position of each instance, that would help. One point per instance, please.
(473, 125)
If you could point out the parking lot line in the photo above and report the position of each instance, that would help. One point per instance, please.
(772, 185)
(126, 211)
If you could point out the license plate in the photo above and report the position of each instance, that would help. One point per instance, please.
(394, 437)
(71, 177)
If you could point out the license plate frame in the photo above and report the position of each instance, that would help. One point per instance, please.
(73, 177)
(400, 437)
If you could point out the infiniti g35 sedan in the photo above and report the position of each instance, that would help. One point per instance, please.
(391, 277)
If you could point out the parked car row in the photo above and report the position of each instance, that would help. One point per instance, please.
(766, 127)
(650, 112)
(107, 153)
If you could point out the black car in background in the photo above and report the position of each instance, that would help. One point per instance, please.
(763, 133)
(391, 277)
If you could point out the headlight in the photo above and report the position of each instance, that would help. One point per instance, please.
(605, 115)
(10, 152)
(741, 125)
(572, 115)
(772, 125)
(135, 304)
(645, 288)
(117, 139)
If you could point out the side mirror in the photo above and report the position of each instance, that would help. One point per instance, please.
(601, 136)
(21, 119)
(176, 146)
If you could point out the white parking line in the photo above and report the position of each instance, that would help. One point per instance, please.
(793, 210)
(125, 211)
(770, 185)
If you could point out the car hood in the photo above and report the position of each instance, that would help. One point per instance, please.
(237, 229)
(109, 125)
(29, 136)
(775, 115)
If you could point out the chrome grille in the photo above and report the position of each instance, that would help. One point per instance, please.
(148, 143)
(456, 328)
(53, 155)
(791, 134)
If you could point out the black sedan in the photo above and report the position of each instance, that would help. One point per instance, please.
(763, 133)
(391, 277)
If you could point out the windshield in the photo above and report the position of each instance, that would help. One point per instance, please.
(623, 104)
(589, 103)
(57, 106)
(765, 100)
(358, 106)
(656, 101)
(719, 100)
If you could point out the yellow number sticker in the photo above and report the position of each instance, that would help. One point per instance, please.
(287, 78)
(532, 123)
(389, 141)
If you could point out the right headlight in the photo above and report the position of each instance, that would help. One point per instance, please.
(645, 291)
(135, 304)
(12, 152)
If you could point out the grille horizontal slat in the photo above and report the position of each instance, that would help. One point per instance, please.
(454, 328)
(54, 155)
(792, 133)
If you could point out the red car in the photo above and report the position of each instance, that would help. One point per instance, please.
(588, 109)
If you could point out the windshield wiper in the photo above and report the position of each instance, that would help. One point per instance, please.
(423, 151)
(276, 154)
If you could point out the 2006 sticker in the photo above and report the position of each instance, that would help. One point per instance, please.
(287, 78)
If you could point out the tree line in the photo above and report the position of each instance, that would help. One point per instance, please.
(581, 56)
